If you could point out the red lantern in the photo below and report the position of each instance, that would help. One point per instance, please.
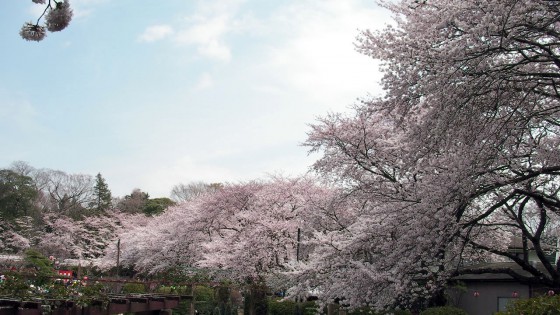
(514, 294)
(476, 294)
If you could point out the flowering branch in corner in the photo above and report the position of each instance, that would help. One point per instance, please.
(58, 15)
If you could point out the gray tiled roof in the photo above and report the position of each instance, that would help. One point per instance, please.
(495, 275)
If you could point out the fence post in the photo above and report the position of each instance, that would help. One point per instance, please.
(192, 310)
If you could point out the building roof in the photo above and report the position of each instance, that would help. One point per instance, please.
(479, 274)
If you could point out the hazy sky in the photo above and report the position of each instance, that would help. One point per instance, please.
(155, 93)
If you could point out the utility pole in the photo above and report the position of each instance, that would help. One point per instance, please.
(118, 256)
(298, 238)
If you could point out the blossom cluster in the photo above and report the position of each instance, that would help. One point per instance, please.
(58, 15)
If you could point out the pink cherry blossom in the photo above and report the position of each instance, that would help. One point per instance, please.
(32, 32)
(59, 17)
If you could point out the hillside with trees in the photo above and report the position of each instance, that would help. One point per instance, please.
(70, 216)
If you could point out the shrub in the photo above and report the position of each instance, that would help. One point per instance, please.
(204, 293)
(277, 307)
(43, 267)
(444, 310)
(174, 289)
(369, 311)
(14, 285)
(288, 307)
(204, 299)
(542, 305)
(133, 288)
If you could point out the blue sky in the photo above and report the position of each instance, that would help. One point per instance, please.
(156, 93)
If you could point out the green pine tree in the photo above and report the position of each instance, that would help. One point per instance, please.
(102, 194)
(17, 195)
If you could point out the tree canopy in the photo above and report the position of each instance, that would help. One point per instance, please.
(456, 159)
(17, 194)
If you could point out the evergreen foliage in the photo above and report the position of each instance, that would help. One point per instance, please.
(541, 305)
(101, 194)
(157, 205)
(43, 267)
(133, 288)
(369, 311)
(444, 310)
(281, 307)
(17, 194)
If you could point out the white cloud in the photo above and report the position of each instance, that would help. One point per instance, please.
(318, 57)
(207, 33)
(207, 29)
(155, 32)
(215, 50)
(205, 81)
(314, 55)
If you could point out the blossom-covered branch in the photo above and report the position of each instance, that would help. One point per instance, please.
(57, 14)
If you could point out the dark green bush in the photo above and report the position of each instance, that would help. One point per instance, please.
(15, 286)
(205, 300)
(369, 311)
(133, 288)
(289, 307)
(43, 272)
(278, 307)
(542, 305)
(310, 308)
(204, 293)
(173, 289)
(164, 290)
(444, 310)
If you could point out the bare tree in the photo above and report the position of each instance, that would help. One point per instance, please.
(186, 192)
(133, 203)
(22, 168)
(68, 193)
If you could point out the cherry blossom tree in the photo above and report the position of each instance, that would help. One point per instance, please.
(10, 240)
(85, 239)
(151, 245)
(57, 14)
(456, 159)
(253, 227)
(249, 228)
